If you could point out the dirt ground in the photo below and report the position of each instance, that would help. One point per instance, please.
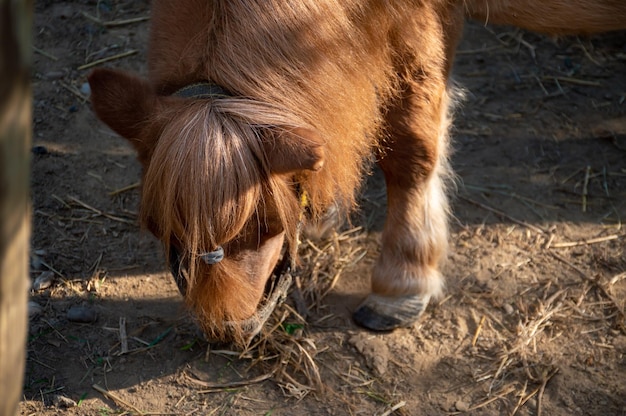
(533, 319)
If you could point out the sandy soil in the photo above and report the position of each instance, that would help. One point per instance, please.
(533, 319)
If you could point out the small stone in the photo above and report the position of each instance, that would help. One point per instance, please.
(36, 262)
(34, 309)
(62, 11)
(63, 402)
(39, 150)
(619, 343)
(54, 75)
(82, 314)
(373, 349)
(508, 309)
(44, 281)
(54, 342)
(85, 89)
(462, 406)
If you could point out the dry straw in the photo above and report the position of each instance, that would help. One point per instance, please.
(283, 351)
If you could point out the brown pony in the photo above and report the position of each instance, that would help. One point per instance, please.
(249, 104)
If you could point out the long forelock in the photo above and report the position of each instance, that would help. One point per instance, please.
(208, 176)
(203, 181)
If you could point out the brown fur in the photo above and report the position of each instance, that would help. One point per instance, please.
(555, 17)
(317, 85)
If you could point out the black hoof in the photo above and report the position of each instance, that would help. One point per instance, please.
(381, 313)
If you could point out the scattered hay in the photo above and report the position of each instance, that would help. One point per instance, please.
(283, 351)
(512, 363)
(515, 352)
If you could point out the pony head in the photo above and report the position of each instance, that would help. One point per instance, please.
(220, 174)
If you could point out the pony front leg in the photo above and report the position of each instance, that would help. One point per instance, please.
(415, 236)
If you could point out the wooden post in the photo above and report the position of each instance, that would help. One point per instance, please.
(15, 138)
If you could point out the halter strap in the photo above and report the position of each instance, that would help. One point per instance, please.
(213, 257)
(202, 90)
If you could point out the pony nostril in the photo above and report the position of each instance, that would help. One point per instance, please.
(213, 257)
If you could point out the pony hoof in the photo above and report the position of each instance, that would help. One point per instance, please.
(383, 313)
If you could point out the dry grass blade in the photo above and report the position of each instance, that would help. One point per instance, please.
(114, 23)
(117, 399)
(524, 399)
(311, 367)
(125, 189)
(42, 363)
(296, 359)
(492, 189)
(503, 393)
(52, 269)
(584, 242)
(478, 329)
(56, 331)
(123, 336)
(44, 53)
(74, 91)
(394, 408)
(585, 188)
(108, 59)
(99, 212)
(480, 50)
(543, 388)
(504, 215)
(291, 387)
(520, 402)
(617, 278)
(575, 81)
(348, 378)
(602, 289)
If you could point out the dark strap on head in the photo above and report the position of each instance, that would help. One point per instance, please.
(203, 90)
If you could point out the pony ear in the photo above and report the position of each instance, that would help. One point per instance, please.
(122, 101)
(294, 150)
